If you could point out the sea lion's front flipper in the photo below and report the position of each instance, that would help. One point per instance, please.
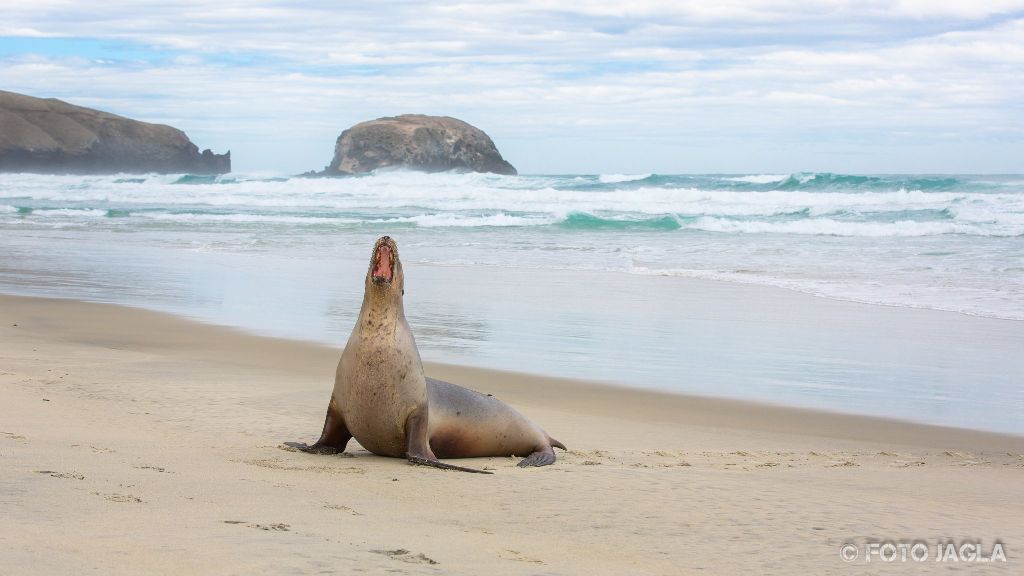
(335, 435)
(418, 447)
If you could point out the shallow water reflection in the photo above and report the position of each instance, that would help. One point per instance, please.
(691, 336)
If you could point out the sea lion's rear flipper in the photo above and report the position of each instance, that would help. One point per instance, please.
(542, 457)
(438, 464)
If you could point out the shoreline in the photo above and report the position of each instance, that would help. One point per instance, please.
(593, 397)
(138, 442)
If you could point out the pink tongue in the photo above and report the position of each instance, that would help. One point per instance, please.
(383, 268)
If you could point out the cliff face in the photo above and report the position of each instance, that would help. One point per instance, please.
(416, 142)
(52, 136)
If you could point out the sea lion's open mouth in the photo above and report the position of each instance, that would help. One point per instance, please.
(383, 265)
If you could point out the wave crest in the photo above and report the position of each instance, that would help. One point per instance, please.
(618, 178)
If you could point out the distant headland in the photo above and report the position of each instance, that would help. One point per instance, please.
(54, 137)
(50, 136)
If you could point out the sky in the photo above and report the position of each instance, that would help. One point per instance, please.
(639, 86)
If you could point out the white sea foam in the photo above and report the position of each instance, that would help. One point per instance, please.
(759, 178)
(73, 212)
(245, 218)
(830, 227)
(443, 200)
(951, 237)
(617, 178)
(989, 215)
(866, 291)
(460, 221)
(460, 193)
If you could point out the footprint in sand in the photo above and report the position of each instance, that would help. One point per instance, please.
(123, 498)
(654, 459)
(279, 464)
(518, 556)
(70, 475)
(908, 463)
(587, 457)
(843, 464)
(12, 436)
(275, 527)
(342, 508)
(154, 468)
(966, 459)
(406, 556)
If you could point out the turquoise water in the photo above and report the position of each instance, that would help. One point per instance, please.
(692, 283)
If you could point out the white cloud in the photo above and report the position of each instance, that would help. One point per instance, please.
(740, 78)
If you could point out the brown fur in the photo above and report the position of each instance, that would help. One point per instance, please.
(382, 398)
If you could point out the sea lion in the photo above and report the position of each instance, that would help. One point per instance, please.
(383, 399)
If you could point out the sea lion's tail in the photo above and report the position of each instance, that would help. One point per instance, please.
(443, 466)
(556, 443)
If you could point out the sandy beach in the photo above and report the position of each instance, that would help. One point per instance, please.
(756, 269)
(135, 442)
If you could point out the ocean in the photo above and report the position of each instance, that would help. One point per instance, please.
(727, 285)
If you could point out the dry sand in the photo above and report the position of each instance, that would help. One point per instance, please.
(133, 442)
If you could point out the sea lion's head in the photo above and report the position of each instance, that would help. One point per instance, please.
(385, 274)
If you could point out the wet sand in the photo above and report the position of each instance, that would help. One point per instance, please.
(135, 442)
